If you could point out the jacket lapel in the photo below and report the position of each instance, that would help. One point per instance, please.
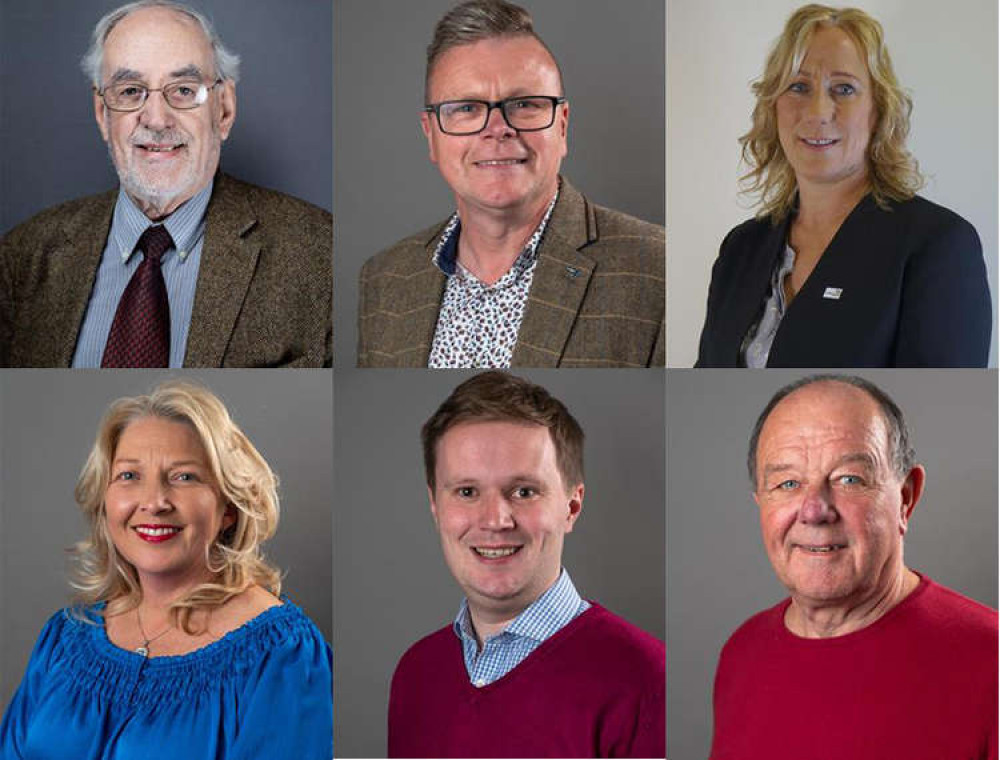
(562, 276)
(228, 260)
(72, 270)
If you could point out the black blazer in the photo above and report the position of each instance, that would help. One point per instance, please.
(904, 287)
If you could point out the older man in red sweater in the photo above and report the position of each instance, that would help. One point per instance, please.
(528, 668)
(868, 659)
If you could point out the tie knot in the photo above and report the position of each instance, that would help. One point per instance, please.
(154, 242)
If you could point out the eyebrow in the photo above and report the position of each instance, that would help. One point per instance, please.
(128, 75)
(860, 457)
(179, 463)
(122, 75)
(187, 71)
(848, 74)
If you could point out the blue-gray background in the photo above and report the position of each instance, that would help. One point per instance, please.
(391, 584)
(49, 421)
(53, 152)
(718, 573)
(613, 62)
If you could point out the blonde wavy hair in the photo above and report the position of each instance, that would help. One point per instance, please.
(247, 484)
(892, 171)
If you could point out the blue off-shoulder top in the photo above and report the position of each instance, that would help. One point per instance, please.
(262, 691)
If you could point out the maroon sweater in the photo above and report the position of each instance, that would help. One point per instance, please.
(920, 683)
(595, 688)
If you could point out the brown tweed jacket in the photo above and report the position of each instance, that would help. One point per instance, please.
(597, 298)
(264, 294)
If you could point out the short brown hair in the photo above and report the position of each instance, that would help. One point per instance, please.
(476, 20)
(500, 397)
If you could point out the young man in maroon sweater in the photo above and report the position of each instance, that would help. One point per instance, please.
(868, 659)
(529, 668)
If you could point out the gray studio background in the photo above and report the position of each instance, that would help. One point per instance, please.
(53, 151)
(391, 583)
(718, 573)
(50, 418)
(612, 59)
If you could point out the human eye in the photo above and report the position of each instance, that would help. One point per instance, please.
(844, 89)
(465, 492)
(789, 484)
(124, 476)
(524, 492)
(798, 88)
(129, 91)
(850, 479)
(186, 477)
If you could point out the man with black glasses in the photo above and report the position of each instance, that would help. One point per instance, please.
(182, 265)
(527, 272)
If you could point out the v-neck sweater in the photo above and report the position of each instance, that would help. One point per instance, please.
(595, 688)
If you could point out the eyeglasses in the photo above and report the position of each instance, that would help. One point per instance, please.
(528, 113)
(182, 95)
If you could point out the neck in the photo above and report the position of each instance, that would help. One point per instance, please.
(822, 206)
(491, 241)
(159, 593)
(820, 621)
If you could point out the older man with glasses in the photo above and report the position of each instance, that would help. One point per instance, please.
(183, 265)
(527, 272)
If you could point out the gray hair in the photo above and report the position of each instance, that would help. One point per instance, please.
(477, 20)
(901, 452)
(227, 63)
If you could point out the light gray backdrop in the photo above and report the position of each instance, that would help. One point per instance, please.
(718, 574)
(391, 583)
(50, 418)
(53, 151)
(612, 59)
(945, 55)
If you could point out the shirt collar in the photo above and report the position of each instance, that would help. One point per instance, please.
(186, 225)
(543, 617)
(446, 253)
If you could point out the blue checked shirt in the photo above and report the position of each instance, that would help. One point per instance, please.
(502, 653)
(119, 262)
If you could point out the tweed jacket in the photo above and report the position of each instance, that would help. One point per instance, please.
(264, 292)
(898, 287)
(596, 300)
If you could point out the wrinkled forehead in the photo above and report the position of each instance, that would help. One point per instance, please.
(157, 41)
(825, 414)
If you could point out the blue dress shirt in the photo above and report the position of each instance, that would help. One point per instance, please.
(119, 262)
(554, 609)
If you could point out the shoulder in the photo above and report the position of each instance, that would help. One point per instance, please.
(55, 220)
(408, 256)
(293, 214)
(963, 620)
(427, 654)
(617, 647)
(612, 225)
(756, 629)
(749, 234)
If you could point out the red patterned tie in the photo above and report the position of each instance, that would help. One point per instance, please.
(140, 333)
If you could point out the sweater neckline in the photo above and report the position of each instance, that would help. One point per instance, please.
(550, 644)
(848, 639)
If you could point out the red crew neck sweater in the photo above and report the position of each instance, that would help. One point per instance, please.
(595, 688)
(918, 684)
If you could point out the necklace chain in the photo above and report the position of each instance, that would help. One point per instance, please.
(147, 640)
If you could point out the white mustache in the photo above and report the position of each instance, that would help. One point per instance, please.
(144, 136)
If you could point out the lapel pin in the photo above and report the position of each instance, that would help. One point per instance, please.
(833, 293)
(572, 271)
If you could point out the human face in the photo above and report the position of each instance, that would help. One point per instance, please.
(833, 511)
(502, 509)
(163, 156)
(826, 115)
(498, 170)
(163, 506)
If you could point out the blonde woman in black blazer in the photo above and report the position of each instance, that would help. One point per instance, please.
(845, 266)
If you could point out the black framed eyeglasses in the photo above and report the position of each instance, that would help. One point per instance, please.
(526, 113)
(183, 94)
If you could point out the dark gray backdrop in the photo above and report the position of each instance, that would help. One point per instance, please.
(53, 151)
(612, 59)
(50, 418)
(718, 573)
(391, 583)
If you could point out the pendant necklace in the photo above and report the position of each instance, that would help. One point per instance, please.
(146, 640)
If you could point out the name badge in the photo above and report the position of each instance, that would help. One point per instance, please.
(833, 293)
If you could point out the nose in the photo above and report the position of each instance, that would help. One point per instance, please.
(817, 506)
(496, 125)
(497, 513)
(155, 114)
(154, 498)
(821, 106)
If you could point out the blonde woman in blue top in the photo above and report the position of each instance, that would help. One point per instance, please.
(180, 645)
